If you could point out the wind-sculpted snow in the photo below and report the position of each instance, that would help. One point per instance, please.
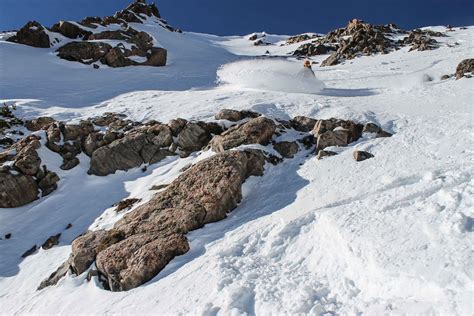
(268, 74)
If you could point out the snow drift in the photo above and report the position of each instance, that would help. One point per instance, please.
(273, 75)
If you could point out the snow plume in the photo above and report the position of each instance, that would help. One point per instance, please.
(274, 75)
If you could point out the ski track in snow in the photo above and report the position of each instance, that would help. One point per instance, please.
(388, 235)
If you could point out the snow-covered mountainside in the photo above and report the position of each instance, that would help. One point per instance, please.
(294, 224)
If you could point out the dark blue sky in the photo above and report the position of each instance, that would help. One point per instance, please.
(228, 17)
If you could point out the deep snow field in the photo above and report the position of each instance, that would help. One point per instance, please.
(389, 235)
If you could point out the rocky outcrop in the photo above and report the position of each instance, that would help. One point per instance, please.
(70, 29)
(88, 52)
(146, 239)
(361, 155)
(303, 123)
(84, 52)
(420, 40)
(465, 68)
(39, 123)
(235, 115)
(334, 132)
(32, 34)
(286, 149)
(16, 189)
(193, 137)
(144, 145)
(313, 49)
(300, 38)
(256, 131)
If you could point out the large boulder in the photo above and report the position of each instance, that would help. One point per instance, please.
(38, 123)
(256, 131)
(465, 68)
(156, 57)
(32, 34)
(70, 29)
(142, 145)
(16, 189)
(84, 52)
(235, 115)
(335, 132)
(193, 137)
(303, 123)
(141, 244)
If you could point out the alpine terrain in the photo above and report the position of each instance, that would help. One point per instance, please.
(149, 170)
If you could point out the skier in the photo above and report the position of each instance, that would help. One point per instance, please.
(307, 70)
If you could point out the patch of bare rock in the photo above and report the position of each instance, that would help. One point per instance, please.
(363, 39)
(135, 48)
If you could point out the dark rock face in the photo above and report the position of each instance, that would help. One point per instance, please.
(256, 131)
(465, 68)
(234, 115)
(51, 242)
(70, 30)
(286, 149)
(118, 56)
(144, 145)
(193, 137)
(359, 38)
(32, 34)
(17, 190)
(47, 181)
(334, 132)
(362, 155)
(146, 239)
(29, 252)
(325, 153)
(312, 49)
(39, 123)
(84, 52)
(299, 38)
(303, 123)
(420, 40)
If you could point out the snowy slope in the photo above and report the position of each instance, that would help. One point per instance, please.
(388, 235)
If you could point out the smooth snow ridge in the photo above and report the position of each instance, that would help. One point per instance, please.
(273, 75)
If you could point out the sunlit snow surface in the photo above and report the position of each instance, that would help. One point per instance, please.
(274, 75)
(390, 235)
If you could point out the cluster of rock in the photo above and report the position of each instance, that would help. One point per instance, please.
(8, 122)
(135, 48)
(363, 39)
(465, 69)
(258, 39)
(421, 40)
(23, 177)
(142, 243)
(300, 38)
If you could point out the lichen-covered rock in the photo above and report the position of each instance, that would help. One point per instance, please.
(16, 189)
(39, 123)
(146, 239)
(234, 115)
(303, 123)
(465, 68)
(286, 149)
(142, 145)
(256, 131)
(193, 137)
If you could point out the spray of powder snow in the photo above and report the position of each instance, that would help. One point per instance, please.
(274, 75)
